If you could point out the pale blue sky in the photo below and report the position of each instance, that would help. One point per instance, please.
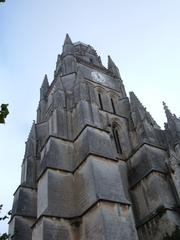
(142, 37)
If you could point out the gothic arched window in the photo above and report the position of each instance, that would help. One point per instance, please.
(100, 100)
(91, 60)
(113, 107)
(116, 139)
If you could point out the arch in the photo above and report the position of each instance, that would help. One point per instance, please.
(113, 106)
(100, 92)
(113, 96)
(100, 100)
(115, 132)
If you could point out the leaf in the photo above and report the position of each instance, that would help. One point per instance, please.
(10, 212)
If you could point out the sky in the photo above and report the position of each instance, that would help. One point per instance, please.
(141, 36)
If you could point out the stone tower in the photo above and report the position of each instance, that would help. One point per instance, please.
(96, 164)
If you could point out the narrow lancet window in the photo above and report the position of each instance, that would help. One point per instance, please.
(100, 101)
(117, 141)
(113, 107)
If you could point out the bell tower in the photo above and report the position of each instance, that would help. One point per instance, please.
(91, 157)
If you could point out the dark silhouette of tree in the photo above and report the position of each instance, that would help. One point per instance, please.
(4, 236)
(3, 112)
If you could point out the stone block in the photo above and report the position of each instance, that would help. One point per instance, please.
(84, 188)
(42, 131)
(144, 161)
(100, 143)
(66, 195)
(24, 204)
(59, 98)
(108, 180)
(61, 123)
(108, 221)
(92, 225)
(78, 120)
(162, 226)
(56, 194)
(52, 228)
(28, 177)
(123, 107)
(82, 116)
(152, 193)
(118, 222)
(57, 154)
(123, 168)
(68, 81)
(20, 228)
(93, 141)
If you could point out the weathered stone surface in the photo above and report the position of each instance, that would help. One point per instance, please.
(20, 228)
(55, 155)
(152, 193)
(109, 184)
(66, 195)
(51, 228)
(144, 161)
(25, 202)
(55, 194)
(161, 226)
(93, 141)
(28, 173)
(118, 222)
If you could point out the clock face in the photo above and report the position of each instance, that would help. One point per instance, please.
(98, 77)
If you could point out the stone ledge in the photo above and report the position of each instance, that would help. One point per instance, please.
(96, 204)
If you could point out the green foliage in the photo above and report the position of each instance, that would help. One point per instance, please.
(4, 236)
(3, 112)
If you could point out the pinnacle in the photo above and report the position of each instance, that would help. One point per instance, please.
(135, 98)
(45, 81)
(167, 111)
(32, 130)
(137, 106)
(135, 101)
(110, 62)
(113, 68)
(165, 106)
(44, 87)
(67, 39)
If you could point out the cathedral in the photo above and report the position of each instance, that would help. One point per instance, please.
(96, 164)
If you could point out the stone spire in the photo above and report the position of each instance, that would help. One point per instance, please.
(68, 47)
(173, 124)
(44, 87)
(67, 39)
(113, 68)
(167, 112)
(171, 118)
